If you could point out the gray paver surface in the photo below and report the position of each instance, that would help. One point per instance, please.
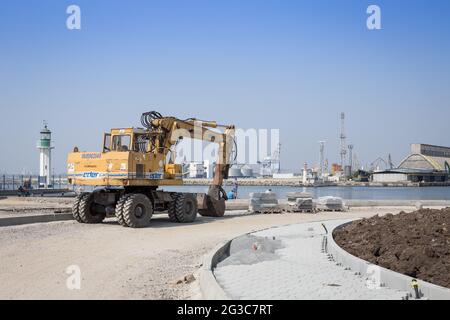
(301, 271)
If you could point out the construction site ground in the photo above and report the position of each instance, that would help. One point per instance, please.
(19, 206)
(158, 262)
(290, 263)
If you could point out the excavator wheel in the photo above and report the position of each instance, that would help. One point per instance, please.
(119, 209)
(137, 211)
(75, 208)
(185, 208)
(172, 208)
(87, 211)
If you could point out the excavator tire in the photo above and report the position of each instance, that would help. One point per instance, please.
(86, 211)
(137, 211)
(75, 208)
(185, 208)
(119, 209)
(172, 208)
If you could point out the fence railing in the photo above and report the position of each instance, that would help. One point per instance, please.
(14, 182)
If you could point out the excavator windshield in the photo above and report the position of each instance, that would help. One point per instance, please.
(121, 142)
(107, 142)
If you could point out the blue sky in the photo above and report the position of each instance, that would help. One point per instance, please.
(289, 65)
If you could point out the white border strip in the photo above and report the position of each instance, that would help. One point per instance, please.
(209, 287)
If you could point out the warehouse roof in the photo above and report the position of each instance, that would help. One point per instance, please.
(423, 162)
(404, 171)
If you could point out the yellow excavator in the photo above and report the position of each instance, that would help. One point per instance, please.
(135, 162)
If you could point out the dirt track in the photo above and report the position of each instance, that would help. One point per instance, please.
(123, 263)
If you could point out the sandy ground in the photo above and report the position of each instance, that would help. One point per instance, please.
(124, 263)
(30, 202)
(19, 206)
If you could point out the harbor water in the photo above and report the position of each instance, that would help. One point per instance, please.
(351, 193)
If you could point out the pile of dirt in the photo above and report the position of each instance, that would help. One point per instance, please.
(416, 244)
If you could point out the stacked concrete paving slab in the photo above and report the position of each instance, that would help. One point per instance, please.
(330, 204)
(299, 202)
(264, 202)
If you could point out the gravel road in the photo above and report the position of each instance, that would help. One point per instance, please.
(124, 263)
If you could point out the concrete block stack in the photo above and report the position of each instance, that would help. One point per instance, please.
(330, 204)
(299, 202)
(264, 202)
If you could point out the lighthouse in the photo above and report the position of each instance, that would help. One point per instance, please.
(44, 146)
(305, 173)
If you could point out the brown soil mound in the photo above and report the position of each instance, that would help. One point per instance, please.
(416, 244)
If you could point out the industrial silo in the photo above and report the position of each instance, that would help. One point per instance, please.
(247, 172)
(235, 172)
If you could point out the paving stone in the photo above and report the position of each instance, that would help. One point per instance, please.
(300, 271)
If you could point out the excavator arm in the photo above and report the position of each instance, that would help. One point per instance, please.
(167, 131)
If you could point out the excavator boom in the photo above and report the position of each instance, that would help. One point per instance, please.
(172, 130)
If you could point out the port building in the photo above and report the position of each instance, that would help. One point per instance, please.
(426, 163)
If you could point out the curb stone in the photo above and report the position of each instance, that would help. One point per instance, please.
(209, 287)
(15, 221)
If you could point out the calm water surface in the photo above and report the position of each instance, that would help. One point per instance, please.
(364, 193)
